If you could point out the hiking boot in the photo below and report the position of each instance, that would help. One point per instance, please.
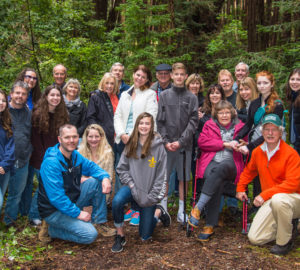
(180, 217)
(164, 216)
(43, 233)
(135, 221)
(105, 231)
(119, 243)
(129, 214)
(194, 217)
(205, 234)
(282, 250)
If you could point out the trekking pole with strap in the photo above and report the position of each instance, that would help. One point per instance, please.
(184, 189)
(245, 217)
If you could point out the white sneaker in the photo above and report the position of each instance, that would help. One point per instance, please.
(180, 217)
(36, 222)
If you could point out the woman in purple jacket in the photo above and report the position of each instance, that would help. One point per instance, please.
(218, 163)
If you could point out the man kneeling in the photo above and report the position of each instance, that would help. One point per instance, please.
(62, 195)
(278, 167)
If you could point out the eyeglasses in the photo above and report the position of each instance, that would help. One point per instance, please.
(163, 73)
(224, 113)
(30, 77)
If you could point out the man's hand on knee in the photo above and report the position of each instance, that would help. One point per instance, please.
(242, 196)
(258, 201)
(106, 186)
(84, 216)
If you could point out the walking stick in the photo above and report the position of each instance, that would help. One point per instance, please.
(183, 225)
(184, 189)
(245, 216)
(190, 229)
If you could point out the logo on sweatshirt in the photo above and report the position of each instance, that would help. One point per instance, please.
(152, 162)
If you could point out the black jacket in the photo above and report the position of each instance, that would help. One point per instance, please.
(77, 116)
(100, 111)
(295, 115)
(254, 106)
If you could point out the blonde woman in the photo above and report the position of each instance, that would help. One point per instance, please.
(94, 146)
(247, 91)
(195, 84)
(102, 105)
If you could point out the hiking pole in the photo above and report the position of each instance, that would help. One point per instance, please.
(183, 225)
(190, 229)
(184, 189)
(245, 216)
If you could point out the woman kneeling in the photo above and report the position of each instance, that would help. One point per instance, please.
(218, 163)
(141, 169)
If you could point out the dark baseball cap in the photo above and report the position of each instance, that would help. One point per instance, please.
(163, 67)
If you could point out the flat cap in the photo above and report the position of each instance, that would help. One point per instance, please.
(163, 67)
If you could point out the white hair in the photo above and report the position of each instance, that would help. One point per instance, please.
(117, 64)
(242, 63)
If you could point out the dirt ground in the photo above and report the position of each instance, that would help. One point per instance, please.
(169, 249)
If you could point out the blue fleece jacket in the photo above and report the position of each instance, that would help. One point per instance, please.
(7, 150)
(51, 174)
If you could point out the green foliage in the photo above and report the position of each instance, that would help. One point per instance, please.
(14, 247)
(228, 47)
(145, 37)
(232, 38)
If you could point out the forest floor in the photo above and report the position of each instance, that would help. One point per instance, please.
(170, 248)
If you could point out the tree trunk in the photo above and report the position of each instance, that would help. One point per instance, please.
(101, 9)
(251, 25)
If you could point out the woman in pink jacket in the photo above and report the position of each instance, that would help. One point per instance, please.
(218, 163)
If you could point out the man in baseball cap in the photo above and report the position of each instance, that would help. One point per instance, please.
(278, 167)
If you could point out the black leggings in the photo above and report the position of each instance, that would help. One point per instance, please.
(215, 176)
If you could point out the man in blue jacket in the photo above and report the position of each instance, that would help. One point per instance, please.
(62, 193)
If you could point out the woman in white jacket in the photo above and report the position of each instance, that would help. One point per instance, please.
(136, 100)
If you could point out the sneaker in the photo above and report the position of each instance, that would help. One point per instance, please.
(36, 222)
(105, 231)
(180, 217)
(128, 215)
(119, 243)
(135, 221)
(282, 250)
(206, 233)
(43, 233)
(164, 216)
(194, 217)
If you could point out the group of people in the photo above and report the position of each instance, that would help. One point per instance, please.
(141, 138)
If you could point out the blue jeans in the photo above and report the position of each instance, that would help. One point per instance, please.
(118, 149)
(26, 198)
(72, 229)
(4, 178)
(34, 210)
(16, 186)
(147, 219)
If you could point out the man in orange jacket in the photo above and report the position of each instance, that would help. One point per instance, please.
(278, 167)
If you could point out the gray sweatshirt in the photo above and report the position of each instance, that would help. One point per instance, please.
(146, 177)
(177, 117)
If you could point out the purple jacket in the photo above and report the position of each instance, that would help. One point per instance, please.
(210, 142)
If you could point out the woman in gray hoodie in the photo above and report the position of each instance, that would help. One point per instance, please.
(142, 172)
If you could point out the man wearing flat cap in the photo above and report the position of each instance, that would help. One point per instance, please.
(163, 76)
(278, 167)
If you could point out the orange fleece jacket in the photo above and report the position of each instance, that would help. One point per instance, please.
(279, 175)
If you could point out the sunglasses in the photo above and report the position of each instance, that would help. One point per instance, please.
(30, 77)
